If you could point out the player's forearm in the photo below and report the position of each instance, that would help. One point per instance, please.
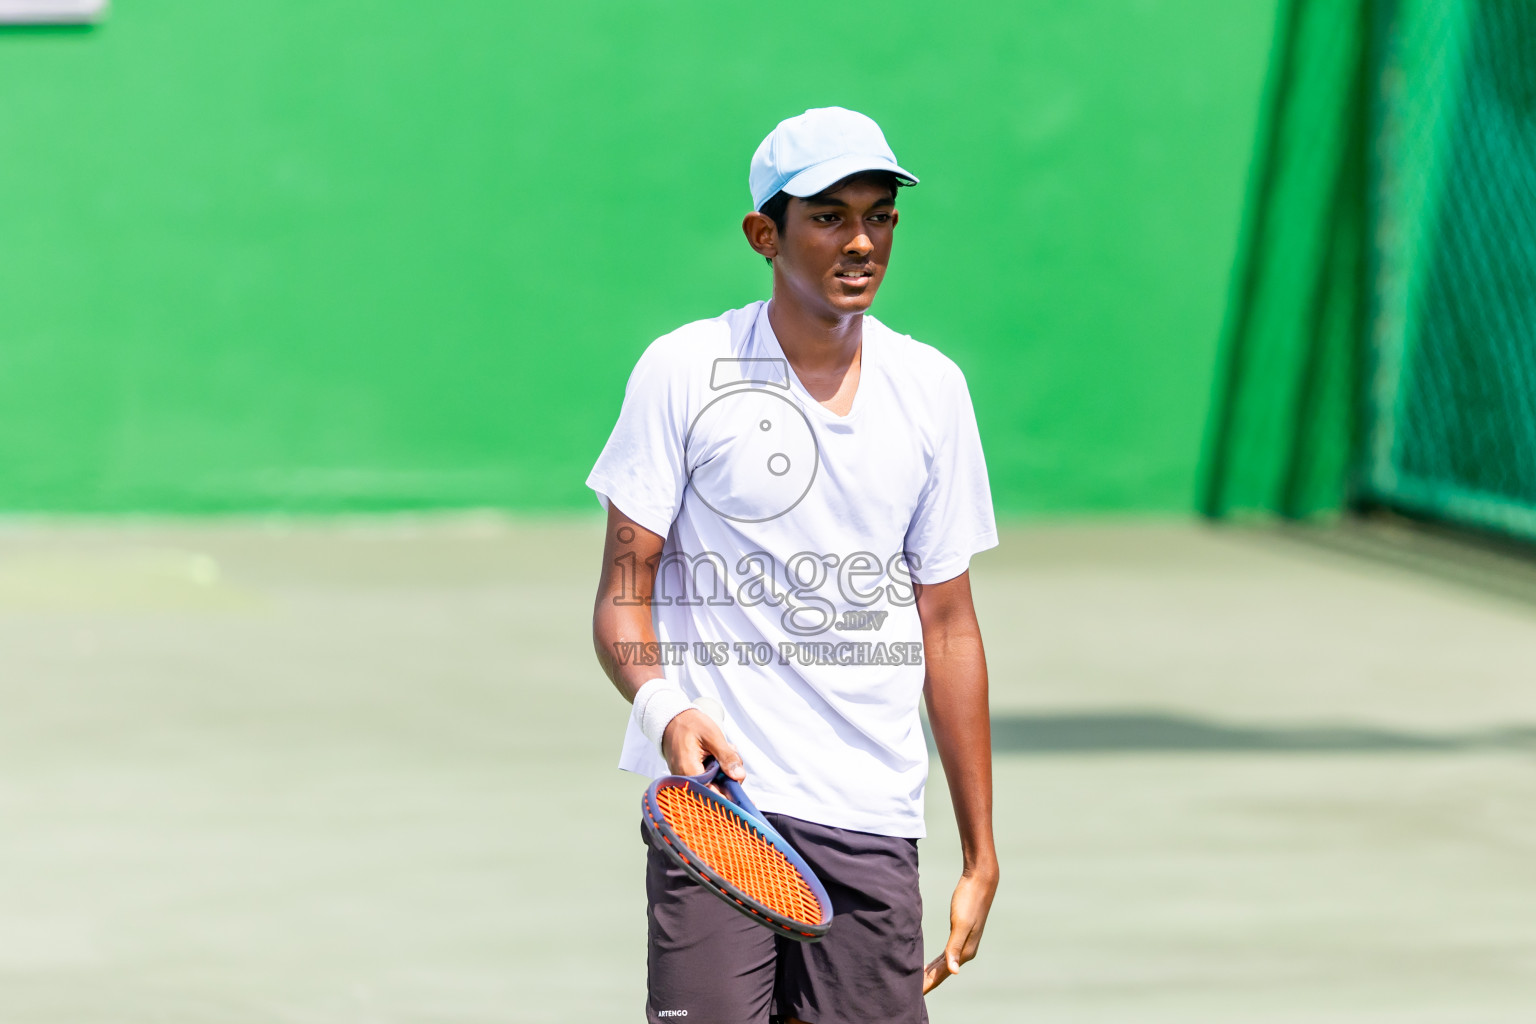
(956, 693)
(625, 642)
(622, 632)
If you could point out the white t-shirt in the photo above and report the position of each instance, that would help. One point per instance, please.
(792, 537)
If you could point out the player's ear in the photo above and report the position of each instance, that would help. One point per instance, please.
(762, 234)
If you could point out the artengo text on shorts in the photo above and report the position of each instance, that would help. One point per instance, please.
(671, 1013)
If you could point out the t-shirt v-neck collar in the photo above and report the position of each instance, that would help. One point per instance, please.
(761, 324)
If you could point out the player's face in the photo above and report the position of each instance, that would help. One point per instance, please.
(834, 248)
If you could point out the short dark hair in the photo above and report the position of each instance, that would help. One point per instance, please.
(776, 208)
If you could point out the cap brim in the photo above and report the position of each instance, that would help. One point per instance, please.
(829, 172)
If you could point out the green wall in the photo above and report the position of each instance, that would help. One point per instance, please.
(320, 255)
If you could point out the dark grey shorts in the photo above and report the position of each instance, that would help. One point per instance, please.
(708, 964)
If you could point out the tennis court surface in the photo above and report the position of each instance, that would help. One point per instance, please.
(256, 772)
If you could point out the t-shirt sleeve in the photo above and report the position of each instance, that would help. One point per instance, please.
(954, 518)
(642, 468)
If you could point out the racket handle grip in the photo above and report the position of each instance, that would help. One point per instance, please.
(733, 792)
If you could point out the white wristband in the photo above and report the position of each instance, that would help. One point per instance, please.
(656, 704)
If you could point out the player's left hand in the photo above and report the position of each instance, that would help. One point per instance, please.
(967, 917)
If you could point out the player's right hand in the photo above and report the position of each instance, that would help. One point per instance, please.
(690, 738)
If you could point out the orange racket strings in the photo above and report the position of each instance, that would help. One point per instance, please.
(739, 854)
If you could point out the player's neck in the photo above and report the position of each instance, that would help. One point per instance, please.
(814, 344)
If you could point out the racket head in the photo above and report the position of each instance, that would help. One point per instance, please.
(738, 857)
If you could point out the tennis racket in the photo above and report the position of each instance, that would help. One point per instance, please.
(727, 846)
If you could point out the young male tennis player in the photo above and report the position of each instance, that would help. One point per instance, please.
(794, 494)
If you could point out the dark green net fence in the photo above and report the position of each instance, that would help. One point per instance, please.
(1381, 340)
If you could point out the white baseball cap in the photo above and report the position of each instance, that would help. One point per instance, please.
(820, 147)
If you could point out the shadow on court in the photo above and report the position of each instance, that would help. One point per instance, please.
(1152, 732)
